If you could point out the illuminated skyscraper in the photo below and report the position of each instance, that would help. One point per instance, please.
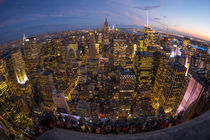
(126, 87)
(161, 74)
(186, 42)
(119, 52)
(74, 48)
(196, 88)
(92, 48)
(32, 54)
(93, 60)
(106, 33)
(99, 40)
(19, 67)
(151, 37)
(173, 89)
(195, 60)
(144, 65)
(10, 104)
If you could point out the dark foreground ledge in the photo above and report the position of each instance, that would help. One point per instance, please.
(195, 129)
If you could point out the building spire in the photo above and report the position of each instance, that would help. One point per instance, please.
(167, 29)
(106, 19)
(24, 37)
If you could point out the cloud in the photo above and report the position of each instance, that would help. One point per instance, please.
(164, 16)
(134, 18)
(16, 21)
(33, 17)
(147, 7)
(156, 18)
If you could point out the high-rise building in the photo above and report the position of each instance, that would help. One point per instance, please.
(126, 87)
(92, 48)
(106, 33)
(61, 78)
(119, 52)
(19, 67)
(92, 65)
(161, 74)
(99, 40)
(195, 60)
(151, 37)
(144, 67)
(173, 89)
(11, 104)
(74, 51)
(31, 54)
(45, 86)
(186, 43)
(195, 89)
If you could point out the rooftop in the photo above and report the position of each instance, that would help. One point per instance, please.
(145, 54)
(127, 71)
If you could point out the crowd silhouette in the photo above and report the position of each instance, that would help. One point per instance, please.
(104, 126)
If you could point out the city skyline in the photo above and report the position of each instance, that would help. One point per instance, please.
(104, 81)
(185, 17)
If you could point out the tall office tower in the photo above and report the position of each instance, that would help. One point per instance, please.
(92, 48)
(99, 40)
(195, 60)
(23, 88)
(198, 86)
(61, 77)
(106, 33)
(150, 35)
(186, 43)
(173, 89)
(50, 50)
(19, 67)
(60, 49)
(3, 70)
(93, 60)
(10, 104)
(134, 51)
(157, 56)
(31, 54)
(74, 47)
(104, 64)
(82, 45)
(71, 53)
(119, 52)
(126, 87)
(144, 69)
(161, 75)
(141, 46)
(45, 86)
(23, 39)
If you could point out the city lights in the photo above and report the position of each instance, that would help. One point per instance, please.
(103, 80)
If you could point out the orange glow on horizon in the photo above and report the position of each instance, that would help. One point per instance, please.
(195, 33)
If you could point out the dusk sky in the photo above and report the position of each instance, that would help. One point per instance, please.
(41, 16)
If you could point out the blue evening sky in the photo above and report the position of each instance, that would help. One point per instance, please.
(42, 16)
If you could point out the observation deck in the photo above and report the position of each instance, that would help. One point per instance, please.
(197, 128)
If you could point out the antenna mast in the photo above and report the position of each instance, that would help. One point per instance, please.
(167, 29)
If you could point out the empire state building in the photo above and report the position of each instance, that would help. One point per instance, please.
(106, 33)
